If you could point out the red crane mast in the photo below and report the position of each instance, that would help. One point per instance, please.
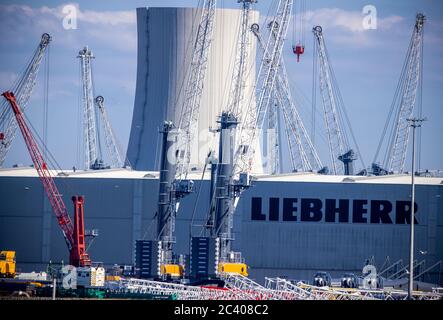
(74, 233)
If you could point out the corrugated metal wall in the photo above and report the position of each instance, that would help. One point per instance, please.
(122, 210)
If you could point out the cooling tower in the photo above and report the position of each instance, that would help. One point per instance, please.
(165, 40)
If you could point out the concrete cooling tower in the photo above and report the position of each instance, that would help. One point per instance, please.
(165, 38)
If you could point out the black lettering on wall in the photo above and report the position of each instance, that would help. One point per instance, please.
(274, 209)
(331, 210)
(289, 209)
(311, 210)
(403, 212)
(256, 206)
(380, 210)
(359, 210)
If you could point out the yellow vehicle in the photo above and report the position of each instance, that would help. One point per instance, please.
(7, 264)
(172, 270)
(234, 268)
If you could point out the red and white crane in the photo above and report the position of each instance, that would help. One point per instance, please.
(74, 232)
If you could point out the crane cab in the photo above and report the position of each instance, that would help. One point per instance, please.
(172, 270)
(233, 268)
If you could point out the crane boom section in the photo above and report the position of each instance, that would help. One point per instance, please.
(239, 74)
(23, 90)
(303, 154)
(194, 87)
(336, 140)
(53, 194)
(89, 116)
(115, 155)
(399, 144)
(252, 120)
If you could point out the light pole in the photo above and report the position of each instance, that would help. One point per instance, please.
(414, 123)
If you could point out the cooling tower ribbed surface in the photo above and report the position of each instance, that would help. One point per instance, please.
(165, 38)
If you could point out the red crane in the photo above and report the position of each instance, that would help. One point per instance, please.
(74, 233)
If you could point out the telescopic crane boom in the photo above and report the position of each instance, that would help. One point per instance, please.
(74, 233)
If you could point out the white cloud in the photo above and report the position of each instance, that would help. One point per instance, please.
(345, 27)
(113, 29)
(351, 21)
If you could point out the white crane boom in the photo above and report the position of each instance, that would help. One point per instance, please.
(303, 155)
(252, 120)
(22, 88)
(194, 87)
(408, 86)
(239, 75)
(334, 131)
(89, 117)
(173, 174)
(334, 112)
(115, 155)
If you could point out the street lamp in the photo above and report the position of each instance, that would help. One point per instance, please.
(414, 123)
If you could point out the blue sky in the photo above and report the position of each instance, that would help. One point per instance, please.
(367, 65)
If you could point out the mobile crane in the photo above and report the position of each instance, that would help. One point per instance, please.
(174, 166)
(212, 256)
(73, 232)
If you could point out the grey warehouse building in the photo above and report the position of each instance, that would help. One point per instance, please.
(285, 225)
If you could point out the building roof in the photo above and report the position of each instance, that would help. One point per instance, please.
(289, 177)
(314, 177)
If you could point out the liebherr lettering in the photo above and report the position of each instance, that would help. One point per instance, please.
(332, 210)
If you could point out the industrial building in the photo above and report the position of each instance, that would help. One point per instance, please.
(198, 76)
(121, 205)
